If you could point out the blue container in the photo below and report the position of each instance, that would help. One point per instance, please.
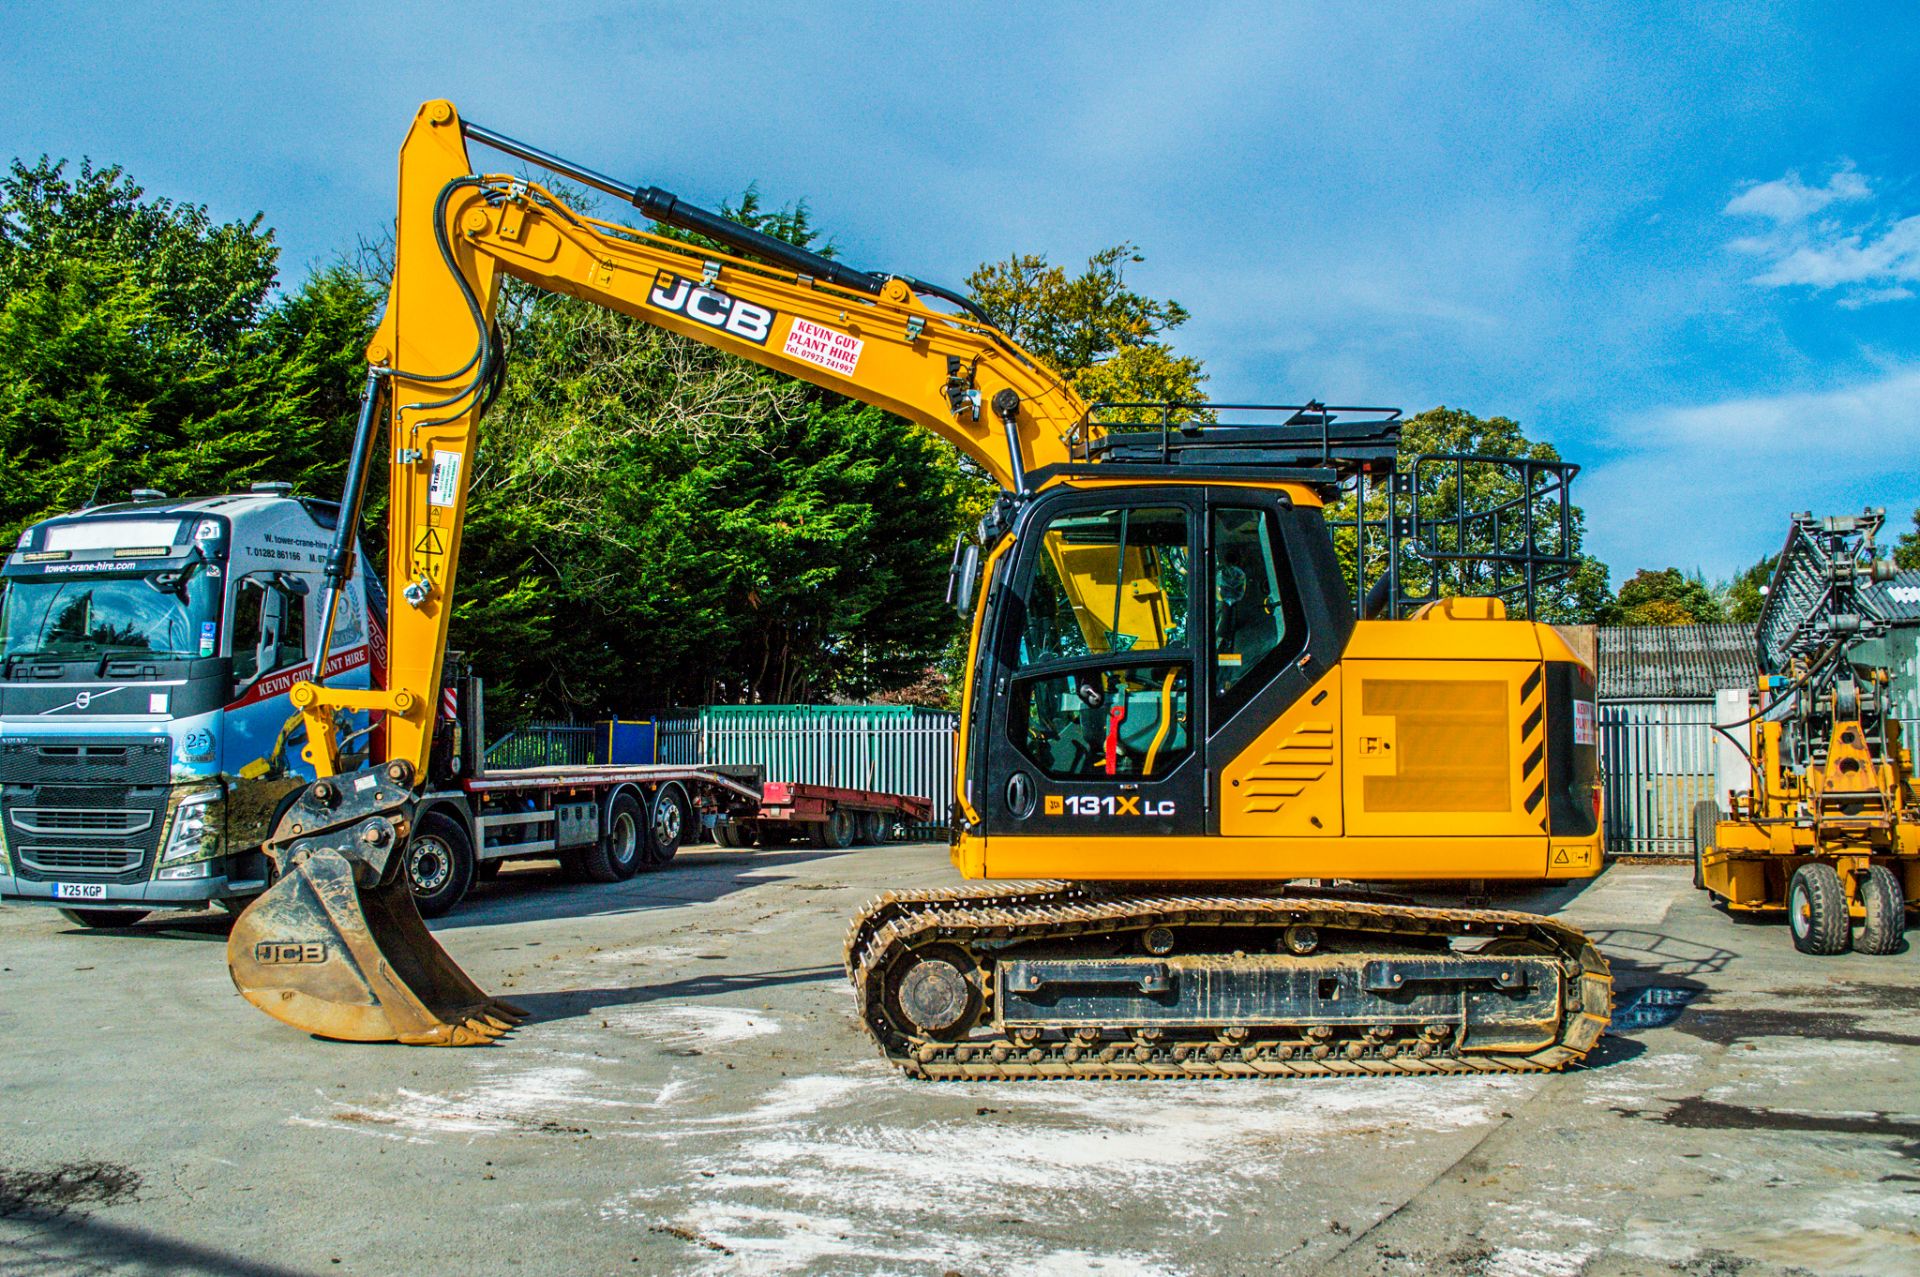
(624, 744)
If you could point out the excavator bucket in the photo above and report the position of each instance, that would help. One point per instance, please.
(328, 954)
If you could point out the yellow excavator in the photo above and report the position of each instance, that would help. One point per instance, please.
(1171, 710)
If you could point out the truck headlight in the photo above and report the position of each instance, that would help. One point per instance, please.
(198, 823)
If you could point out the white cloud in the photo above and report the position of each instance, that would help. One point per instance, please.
(1789, 201)
(1868, 261)
(1711, 485)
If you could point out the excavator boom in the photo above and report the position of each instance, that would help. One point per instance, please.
(336, 947)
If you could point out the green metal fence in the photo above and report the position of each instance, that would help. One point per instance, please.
(898, 749)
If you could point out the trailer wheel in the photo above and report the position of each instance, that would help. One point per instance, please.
(1706, 817)
(439, 864)
(616, 857)
(836, 831)
(672, 816)
(732, 833)
(103, 919)
(1886, 904)
(873, 828)
(1817, 910)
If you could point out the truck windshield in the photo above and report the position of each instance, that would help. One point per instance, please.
(173, 614)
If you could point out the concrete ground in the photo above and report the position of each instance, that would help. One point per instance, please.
(694, 1096)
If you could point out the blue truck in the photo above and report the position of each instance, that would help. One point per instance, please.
(148, 742)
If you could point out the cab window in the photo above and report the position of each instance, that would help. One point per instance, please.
(269, 625)
(1109, 581)
(1104, 666)
(1256, 619)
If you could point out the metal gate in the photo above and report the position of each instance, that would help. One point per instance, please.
(1658, 760)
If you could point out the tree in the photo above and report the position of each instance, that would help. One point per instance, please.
(1103, 337)
(1574, 599)
(1742, 598)
(1666, 596)
(1906, 552)
(141, 345)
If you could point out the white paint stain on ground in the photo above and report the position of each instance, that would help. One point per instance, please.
(903, 1181)
(1515, 1261)
(547, 1100)
(685, 1025)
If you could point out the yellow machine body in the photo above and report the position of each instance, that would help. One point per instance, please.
(1417, 753)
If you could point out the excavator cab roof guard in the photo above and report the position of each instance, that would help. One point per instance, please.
(1306, 443)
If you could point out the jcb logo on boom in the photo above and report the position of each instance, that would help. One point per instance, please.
(711, 307)
(1107, 805)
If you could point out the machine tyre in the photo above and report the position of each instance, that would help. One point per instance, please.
(103, 919)
(672, 819)
(1817, 910)
(1706, 815)
(617, 856)
(873, 828)
(732, 833)
(1885, 925)
(835, 832)
(439, 864)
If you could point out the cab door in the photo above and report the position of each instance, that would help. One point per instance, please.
(1095, 723)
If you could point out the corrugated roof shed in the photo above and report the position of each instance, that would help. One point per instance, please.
(1897, 600)
(1671, 662)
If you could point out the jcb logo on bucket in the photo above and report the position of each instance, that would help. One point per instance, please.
(281, 952)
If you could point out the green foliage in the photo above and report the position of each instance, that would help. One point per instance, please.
(1574, 600)
(140, 346)
(1103, 337)
(1741, 598)
(1666, 596)
(1906, 552)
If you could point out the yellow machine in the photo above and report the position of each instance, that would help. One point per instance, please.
(1828, 828)
(1171, 710)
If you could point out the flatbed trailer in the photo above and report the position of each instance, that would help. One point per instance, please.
(606, 822)
(823, 815)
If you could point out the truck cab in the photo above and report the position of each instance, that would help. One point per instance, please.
(147, 739)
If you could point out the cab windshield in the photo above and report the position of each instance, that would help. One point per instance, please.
(172, 614)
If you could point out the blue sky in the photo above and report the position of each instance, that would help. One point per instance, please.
(1683, 244)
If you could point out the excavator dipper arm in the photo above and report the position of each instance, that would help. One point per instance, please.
(336, 946)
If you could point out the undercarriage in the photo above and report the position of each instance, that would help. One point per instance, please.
(1058, 980)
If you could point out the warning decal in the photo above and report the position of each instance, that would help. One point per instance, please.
(446, 478)
(1583, 733)
(817, 344)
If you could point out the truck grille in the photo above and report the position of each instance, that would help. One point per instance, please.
(99, 861)
(80, 820)
(104, 831)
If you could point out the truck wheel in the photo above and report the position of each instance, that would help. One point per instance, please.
(873, 828)
(439, 864)
(1886, 904)
(616, 857)
(103, 919)
(672, 817)
(1706, 816)
(835, 832)
(732, 833)
(1817, 910)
